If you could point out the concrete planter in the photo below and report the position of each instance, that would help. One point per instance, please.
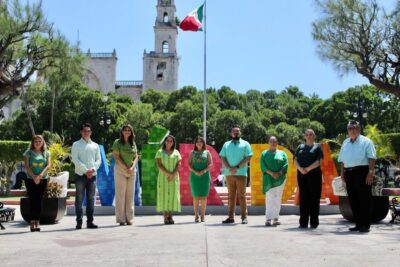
(53, 209)
(379, 208)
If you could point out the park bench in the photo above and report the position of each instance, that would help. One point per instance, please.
(395, 203)
(395, 208)
(6, 214)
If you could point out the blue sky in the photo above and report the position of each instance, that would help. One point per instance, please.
(253, 44)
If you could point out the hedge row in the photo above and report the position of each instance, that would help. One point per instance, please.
(11, 151)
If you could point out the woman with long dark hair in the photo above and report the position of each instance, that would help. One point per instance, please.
(199, 164)
(126, 156)
(168, 160)
(37, 163)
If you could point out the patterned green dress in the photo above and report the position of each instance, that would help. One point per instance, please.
(200, 185)
(168, 193)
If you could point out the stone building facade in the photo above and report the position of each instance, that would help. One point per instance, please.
(101, 69)
(160, 67)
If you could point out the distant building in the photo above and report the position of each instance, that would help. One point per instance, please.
(101, 69)
(160, 67)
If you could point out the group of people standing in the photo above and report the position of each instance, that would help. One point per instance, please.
(357, 158)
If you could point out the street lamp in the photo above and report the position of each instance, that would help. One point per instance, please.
(105, 120)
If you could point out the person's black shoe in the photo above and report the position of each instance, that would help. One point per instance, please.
(314, 226)
(363, 229)
(78, 226)
(91, 226)
(229, 220)
(353, 229)
(303, 226)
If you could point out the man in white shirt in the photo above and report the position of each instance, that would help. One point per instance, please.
(86, 158)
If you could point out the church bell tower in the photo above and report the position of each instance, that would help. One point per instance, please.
(160, 67)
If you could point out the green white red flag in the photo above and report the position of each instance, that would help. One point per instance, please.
(194, 21)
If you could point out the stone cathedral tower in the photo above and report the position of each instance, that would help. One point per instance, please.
(160, 67)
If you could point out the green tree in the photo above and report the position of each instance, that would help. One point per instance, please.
(220, 123)
(228, 99)
(139, 117)
(384, 148)
(254, 132)
(186, 122)
(359, 35)
(288, 135)
(185, 93)
(157, 98)
(66, 71)
(28, 43)
(304, 124)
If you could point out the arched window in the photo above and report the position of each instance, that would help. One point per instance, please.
(160, 70)
(165, 47)
(165, 18)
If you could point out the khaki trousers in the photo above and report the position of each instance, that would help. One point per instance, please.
(124, 193)
(236, 186)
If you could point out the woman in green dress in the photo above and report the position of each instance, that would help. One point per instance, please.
(37, 163)
(168, 160)
(274, 166)
(199, 164)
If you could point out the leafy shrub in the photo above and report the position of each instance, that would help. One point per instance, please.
(53, 190)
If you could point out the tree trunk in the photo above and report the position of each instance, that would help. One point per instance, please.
(53, 103)
(28, 114)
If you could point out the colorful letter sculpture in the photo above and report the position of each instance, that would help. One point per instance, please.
(184, 174)
(105, 180)
(149, 168)
(149, 172)
(329, 172)
(257, 195)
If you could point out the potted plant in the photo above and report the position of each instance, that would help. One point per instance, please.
(53, 208)
(55, 198)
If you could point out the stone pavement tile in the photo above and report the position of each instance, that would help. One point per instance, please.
(151, 243)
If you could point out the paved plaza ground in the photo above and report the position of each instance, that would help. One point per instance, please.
(150, 243)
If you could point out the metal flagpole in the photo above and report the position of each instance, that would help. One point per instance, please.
(205, 73)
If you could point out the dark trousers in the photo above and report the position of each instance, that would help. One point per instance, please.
(310, 186)
(360, 195)
(84, 186)
(35, 194)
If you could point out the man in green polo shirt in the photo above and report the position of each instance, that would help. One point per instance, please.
(235, 155)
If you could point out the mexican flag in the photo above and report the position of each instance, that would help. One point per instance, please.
(194, 21)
